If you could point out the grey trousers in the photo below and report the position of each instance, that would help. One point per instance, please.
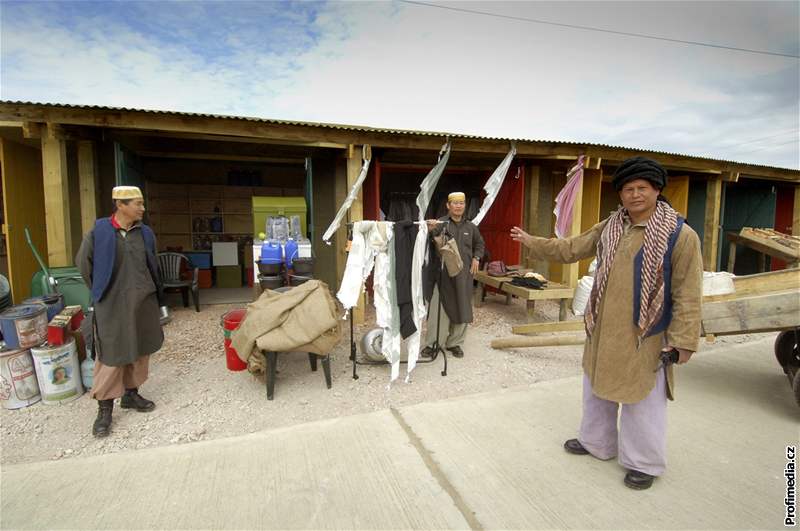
(640, 441)
(450, 334)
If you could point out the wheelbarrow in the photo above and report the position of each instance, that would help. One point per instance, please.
(64, 280)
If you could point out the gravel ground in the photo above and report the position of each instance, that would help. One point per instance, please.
(199, 399)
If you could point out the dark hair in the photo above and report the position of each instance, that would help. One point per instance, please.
(114, 203)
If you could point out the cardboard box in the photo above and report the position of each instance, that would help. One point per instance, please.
(224, 254)
(229, 276)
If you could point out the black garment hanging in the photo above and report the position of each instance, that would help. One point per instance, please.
(405, 234)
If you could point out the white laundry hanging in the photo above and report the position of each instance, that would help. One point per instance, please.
(495, 182)
(420, 249)
(337, 220)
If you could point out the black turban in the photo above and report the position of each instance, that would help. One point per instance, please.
(640, 168)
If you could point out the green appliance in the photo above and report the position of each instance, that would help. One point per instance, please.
(278, 206)
(64, 280)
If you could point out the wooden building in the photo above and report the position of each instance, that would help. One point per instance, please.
(60, 162)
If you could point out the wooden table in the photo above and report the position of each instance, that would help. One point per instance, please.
(553, 290)
(765, 247)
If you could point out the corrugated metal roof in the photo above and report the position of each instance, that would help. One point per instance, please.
(370, 129)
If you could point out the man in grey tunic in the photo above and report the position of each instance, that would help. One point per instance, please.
(456, 292)
(117, 259)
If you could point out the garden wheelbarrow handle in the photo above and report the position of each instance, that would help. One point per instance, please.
(45, 270)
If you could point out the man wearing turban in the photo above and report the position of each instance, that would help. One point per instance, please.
(645, 300)
(456, 291)
(117, 259)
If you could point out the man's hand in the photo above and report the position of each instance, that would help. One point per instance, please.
(473, 269)
(519, 235)
(684, 356)
(431, 223)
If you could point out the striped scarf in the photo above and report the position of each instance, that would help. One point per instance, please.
(656, 238)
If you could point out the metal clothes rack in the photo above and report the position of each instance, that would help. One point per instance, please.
(437, 348)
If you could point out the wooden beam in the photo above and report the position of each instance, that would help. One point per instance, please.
(730, 176)
(590, 209)
(8, 123)
(354, 164)
(796, 212)
(540, 341)
(87, 176)
(357, 135)
(533, 187)
(677, 192)
(543, 328)
(122, 133)
(760, 284)
(56, 200)
(569, 272)
(32, 130)
(711, 225)
(757, 313)
(218, 156)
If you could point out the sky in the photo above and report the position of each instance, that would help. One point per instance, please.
(405, 65)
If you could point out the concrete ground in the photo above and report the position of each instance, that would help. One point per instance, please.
(492, 461)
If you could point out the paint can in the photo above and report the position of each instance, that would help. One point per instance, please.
(58, 372)
(18, 385)
(230, 322)
(53, 301)
(24, 326)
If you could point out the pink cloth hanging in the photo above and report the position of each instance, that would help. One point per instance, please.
(565, 201)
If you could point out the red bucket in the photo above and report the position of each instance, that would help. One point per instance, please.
(230, 322)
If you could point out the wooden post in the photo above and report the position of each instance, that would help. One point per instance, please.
(56, 198)
(533, 186)
(354, 163)
(796, 212)
(712, 223)
(569, 272)
(88, 179)
(590, 208)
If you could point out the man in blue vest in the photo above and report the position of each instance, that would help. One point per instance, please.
(117, 259)
(645, 303)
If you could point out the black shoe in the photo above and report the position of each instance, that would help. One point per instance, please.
(456, 352)
(574, 446)
(102, 424)
(638, 480)
(133, 400)
(427, 352)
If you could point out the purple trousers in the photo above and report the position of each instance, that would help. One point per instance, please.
(640, 441)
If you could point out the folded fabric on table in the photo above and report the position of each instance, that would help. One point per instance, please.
(529, 282)
(302, 319)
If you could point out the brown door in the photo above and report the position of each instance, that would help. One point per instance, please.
(23, 206)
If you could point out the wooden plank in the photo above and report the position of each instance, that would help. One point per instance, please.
(219, 156)
(539, 341)
(354, 164)
(57, 201)
(543, 328)
(23, 206)
(711, 224)
(590, 209)
(87, 176)
(757, 313)
(760, 284)
(559, 292)
(787, 254)
(293, 132)
(677, 192)
(32, 130)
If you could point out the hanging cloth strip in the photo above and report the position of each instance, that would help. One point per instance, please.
(334, 226)
(565, 201)
(420, 248)
(495, 182)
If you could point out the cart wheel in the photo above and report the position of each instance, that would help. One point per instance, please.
(796, 387)
(786, 350)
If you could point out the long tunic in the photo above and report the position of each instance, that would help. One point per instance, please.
(127, 317)
(456, 292)
(616, 370)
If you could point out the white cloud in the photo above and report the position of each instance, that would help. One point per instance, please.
(402, 66)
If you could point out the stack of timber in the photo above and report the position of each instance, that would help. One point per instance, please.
(764, 302)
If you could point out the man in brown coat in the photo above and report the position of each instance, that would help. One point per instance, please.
(117, 259)
(645, 301)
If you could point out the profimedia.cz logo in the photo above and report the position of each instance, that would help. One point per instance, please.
(790, 501)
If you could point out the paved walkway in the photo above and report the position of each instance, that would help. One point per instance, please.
(491, 461)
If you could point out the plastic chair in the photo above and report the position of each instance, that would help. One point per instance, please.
(170, 266)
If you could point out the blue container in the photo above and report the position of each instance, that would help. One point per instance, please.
(24, 326)
(53, 301)
(290, 252)
(200, 260)
(271, 253)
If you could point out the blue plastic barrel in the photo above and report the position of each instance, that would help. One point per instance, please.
(290, 252)
(271, 253)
